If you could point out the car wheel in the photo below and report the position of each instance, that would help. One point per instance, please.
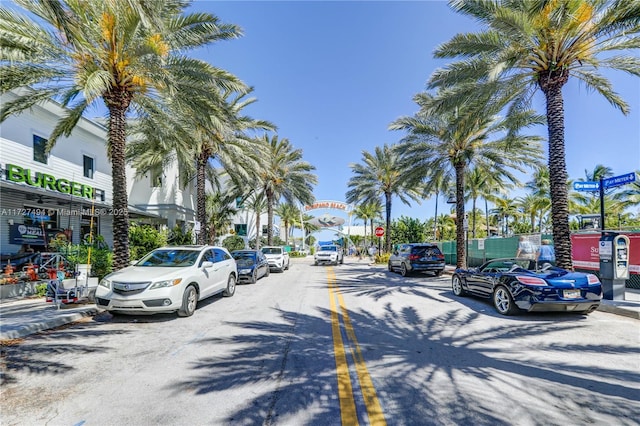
(456, 286)
(189, 302)
(231, 286)
(390, 267)
(266, 274)
(503, 301)
(342, 261)
(438, 273)
(403, 269)
(254, 277)
(287, 266)
(315, 263)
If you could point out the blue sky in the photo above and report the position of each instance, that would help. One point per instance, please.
(333, 75)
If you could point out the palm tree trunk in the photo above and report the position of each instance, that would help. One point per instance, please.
(258, 230)
(201, 212)
(435, 219)
(461, 261)
(552, 88)
(473, 219)
(486, 216)
(117, 103)
(269, 195)
(387, 233)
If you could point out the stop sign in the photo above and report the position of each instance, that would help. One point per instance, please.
(379, 231)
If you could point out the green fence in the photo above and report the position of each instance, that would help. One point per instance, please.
(481, 250)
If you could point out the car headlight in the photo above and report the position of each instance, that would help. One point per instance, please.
(165, 283)
(105, 283)
(244, 271)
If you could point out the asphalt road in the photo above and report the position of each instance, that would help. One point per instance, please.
(329, 345)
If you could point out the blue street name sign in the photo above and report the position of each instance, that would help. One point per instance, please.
(586, 186)
(619, 180)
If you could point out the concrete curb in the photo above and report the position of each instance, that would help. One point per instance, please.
(17, 332)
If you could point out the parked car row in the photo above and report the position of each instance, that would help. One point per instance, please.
(170, 279)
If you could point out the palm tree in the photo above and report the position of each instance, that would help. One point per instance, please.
(195, 139)
(369, 211)
(123, 53)
(504, 208)
(285, 175)
(540, 44)
(439, 182)
(380, 175)
(461, 138)
(220, 211)
(288, 214)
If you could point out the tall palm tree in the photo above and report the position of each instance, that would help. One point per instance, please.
(470, 135)
(123, 53)
(285, 175)
(539, 44)
(199, 142)
(380, 175)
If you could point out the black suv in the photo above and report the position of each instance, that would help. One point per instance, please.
(416, 257)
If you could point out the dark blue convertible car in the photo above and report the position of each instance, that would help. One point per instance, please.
(516, 285)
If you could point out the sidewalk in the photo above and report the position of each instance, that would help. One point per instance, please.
(20, 317)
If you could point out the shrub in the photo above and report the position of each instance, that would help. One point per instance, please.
(233, 243)
(143, 239)
(383, 258)
(177, 237)
(41, 290)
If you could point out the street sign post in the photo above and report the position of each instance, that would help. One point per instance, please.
(612, 182)
(586, 186)
(379, 231)
(619, 180)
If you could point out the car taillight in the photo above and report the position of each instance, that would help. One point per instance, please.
(592, 279)
(440, 256)
(531, 280)
(414, 257)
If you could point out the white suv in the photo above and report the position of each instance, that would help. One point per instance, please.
(277, 257)
(329, 254)
(169, 279)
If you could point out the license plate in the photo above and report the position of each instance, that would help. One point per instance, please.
(571, 294)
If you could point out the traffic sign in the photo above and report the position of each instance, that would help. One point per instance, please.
(619, 180)
(586, 186)
(379, 231)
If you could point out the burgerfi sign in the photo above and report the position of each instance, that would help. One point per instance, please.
(19, 174)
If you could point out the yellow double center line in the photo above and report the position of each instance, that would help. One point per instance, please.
(348, 412)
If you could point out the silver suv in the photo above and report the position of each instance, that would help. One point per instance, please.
(331, 254)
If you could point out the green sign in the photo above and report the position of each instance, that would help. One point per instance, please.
(18, 174)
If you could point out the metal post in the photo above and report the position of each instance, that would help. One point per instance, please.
(602, 227)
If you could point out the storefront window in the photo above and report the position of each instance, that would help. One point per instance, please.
(40, 216)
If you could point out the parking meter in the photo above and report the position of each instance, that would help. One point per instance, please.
(614, 264)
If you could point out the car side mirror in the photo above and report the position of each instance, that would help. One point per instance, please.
(207, 264)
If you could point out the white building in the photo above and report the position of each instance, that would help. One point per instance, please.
(69, 190)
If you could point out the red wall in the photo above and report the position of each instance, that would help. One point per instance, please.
(584, 251)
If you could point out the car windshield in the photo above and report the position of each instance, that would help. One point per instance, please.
(244, 258)
(328, 248)
(169, 258)
(271, 250)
